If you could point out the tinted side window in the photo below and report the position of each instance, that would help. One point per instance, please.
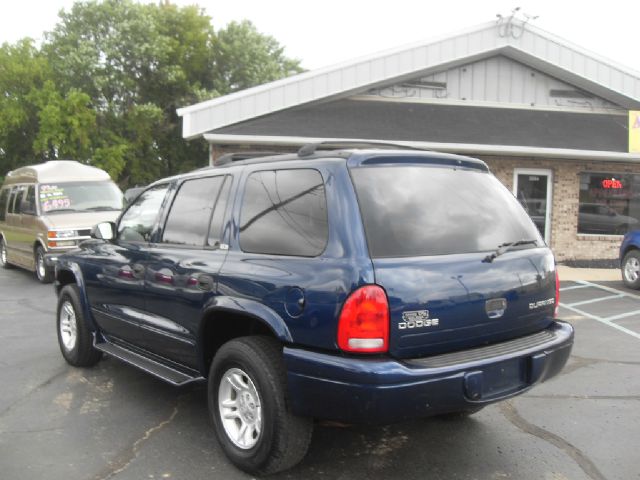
(12, 200)
(215, 230)
(4, 200)
(284, 212)
(137, 222)
(188, 220)
(27, 202)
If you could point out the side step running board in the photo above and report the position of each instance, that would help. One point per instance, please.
(157, 369)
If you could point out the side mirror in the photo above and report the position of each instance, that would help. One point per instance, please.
(104, 231)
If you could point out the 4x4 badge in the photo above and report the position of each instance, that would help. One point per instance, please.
(417, 319)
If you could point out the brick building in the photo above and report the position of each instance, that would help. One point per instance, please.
(552, 121)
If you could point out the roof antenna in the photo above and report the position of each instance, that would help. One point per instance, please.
(513, 25)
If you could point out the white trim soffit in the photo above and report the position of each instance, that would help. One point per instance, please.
(460, 148)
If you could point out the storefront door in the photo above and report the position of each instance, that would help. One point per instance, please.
(532, 188)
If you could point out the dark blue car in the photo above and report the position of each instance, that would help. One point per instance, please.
(357, 285)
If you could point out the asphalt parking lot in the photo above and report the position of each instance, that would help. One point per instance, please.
(114, 422)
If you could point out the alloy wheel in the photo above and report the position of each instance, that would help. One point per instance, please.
(68, 326)
(240, 408)
(632, 269)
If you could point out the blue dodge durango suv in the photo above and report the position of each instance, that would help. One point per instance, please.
(339, 283)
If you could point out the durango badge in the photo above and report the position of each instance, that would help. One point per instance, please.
(417, 319)
(542, 303)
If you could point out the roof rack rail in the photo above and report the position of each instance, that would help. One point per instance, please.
(238, 156)
(310, 148)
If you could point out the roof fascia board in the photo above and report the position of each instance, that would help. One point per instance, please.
(463, 148)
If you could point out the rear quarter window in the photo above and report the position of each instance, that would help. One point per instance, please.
(284, 212)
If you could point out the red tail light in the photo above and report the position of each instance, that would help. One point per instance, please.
(364, 321)
(555, 311)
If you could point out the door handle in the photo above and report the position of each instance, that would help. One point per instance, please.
(204, 282)
(138, 270)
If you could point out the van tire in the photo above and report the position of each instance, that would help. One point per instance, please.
(44, 273)
(4, 263)
(249, 372)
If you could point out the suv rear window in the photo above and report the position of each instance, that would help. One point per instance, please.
(424, 210)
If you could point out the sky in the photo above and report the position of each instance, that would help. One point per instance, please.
(321, 33)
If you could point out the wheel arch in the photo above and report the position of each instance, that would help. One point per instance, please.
(231, 318)
(71, 274)
(628, 248)
(38, 243)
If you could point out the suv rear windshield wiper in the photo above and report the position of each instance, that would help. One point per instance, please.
(505, 247)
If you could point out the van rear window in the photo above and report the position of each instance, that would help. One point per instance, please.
(426, 210)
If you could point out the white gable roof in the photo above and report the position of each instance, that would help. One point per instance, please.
(534, 47)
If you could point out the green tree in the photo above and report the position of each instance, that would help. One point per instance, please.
(244, 58)
(138, 63)
(22, 71)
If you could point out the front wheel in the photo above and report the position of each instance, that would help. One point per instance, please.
(631, 269)
(4, 263)
(246, 396)
(74, 338)
(43, 272)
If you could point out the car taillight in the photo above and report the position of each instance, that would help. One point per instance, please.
(363, 325)
(555, 311)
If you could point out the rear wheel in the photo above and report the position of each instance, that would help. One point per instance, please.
(3, 254)
(246, 396)
(74, 337)
(631, 269)
(43, 272)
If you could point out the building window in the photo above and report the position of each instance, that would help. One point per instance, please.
(609, 203)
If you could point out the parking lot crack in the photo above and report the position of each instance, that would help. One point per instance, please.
(123, 461)
(32, 391)
(587, 466)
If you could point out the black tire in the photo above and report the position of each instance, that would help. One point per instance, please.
(43, 273)
(631, 269)
(3, 255)
(79, 352)
(284, 438)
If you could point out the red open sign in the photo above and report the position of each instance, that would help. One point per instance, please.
(611, 183)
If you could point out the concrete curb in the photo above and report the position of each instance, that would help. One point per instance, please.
(589, 274)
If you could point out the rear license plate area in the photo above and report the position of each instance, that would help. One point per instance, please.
(503, 378)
